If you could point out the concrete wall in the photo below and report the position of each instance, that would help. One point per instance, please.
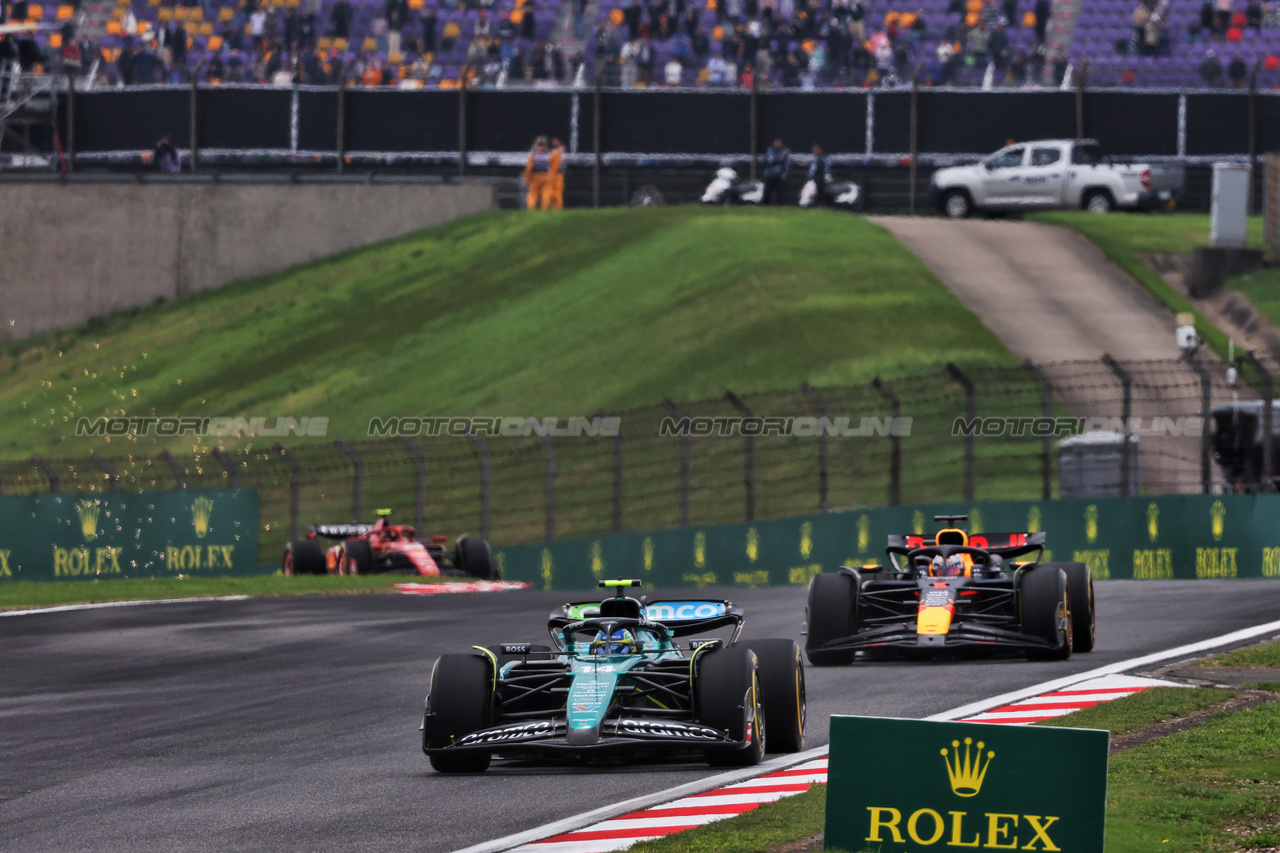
(69, 252)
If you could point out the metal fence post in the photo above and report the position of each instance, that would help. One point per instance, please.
(421, 465)
(1268, 421)
(462, 122)
(617, 476)
(295, 487)
(113, 478)
(1206, 441)
(341, 130)
(1253, 137)
(748, 454)
(753, 144)
(970, 414)
(179, 472)
(484, 483)
(39, 462)
(550, 532)
(1126, 452)
(233, 473)
(597, 163)
(821, 405)
(684, 462)
(1046, 443)
(895, 442)
(357, 480)
(915, 145)
(195, 121)
(71, 123)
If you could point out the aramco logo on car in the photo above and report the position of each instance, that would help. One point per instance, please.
(900, 786)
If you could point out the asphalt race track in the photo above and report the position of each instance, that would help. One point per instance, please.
(291, 724)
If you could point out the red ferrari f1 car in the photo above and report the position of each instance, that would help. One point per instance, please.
(385, 548)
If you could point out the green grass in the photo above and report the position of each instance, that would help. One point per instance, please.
(1213, 787)
(1157, 705)
(1262, 287)
(1202, 790)
(506, 314)
(771, 825)
(1125, 237)
(1255, 656)
(35, 594)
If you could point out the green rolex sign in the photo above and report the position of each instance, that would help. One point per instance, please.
(148, 534)
(902, 786)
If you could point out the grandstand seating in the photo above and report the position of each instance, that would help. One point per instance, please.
(1102, 37)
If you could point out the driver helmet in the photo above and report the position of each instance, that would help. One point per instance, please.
(620, 642)
(954, 566)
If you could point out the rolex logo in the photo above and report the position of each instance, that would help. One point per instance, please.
(1153, 521)
(1091, 523)
(88, 511)
(753, 545)
(201, 508)
(806, 540)
(1218, 517)
(967, 774)
(864, 533)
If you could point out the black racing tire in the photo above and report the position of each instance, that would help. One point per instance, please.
(782, 681)
(1083, 618)
(303, 557)
(956, 204)
(356, 558)
(725, 679)
(474, 558)
(1098, 201)
(1043, 594)
(460, 701)
(831, 610)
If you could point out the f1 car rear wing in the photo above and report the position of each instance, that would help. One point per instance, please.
(1002, 544)
(340, 531)
(682, 618)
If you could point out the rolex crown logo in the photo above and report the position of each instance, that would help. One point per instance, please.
(88, 511)
(1218, 516)
(966, 773)
(1153, 521)
(201, 508)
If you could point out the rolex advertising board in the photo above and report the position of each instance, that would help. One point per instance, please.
(148, 534)
(909, 786)
(1143, 538)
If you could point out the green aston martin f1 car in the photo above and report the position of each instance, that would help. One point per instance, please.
(620, 680)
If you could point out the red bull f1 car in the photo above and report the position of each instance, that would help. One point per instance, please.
(952, 591)
(619, 681)
(385, 548)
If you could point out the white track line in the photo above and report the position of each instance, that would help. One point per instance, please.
(67, 607)
(711, 783)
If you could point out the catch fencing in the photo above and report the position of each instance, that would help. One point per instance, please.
(334, 128)
(956, 433)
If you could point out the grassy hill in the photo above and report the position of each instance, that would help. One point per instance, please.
(507, 313)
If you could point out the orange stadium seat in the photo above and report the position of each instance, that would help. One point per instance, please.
(66, 13)
(215, 43)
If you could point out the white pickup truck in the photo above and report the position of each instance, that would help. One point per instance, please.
(1053, 174)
